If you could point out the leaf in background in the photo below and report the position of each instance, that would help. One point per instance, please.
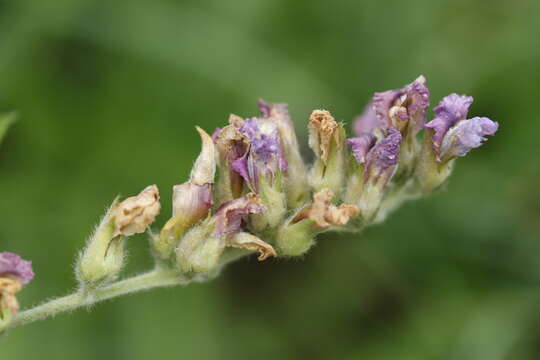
(6, 120)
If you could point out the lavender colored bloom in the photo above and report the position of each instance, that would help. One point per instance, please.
(361, 145)
(264, 142)
(264, 156)
(453, 135)
(365, 126)
(13, 264)
(229, 216)
(367, 121)
(278, 114)
(384, 156)
(466, 135)
(451, 109)
(400, 107)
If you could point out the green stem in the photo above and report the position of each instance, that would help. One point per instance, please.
(156, 278)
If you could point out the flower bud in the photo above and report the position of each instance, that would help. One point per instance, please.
(448, 136)
(14, 273)
(298, 234)
(103, 258)
(327, 140)
(204, 170)
(136, 213)
(231, 145)
(200, 249)
(295, 177)
(191, 201)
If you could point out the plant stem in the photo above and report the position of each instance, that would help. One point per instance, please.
(158, 277)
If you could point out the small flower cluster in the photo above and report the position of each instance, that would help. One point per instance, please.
(251, 191)
(251, 183)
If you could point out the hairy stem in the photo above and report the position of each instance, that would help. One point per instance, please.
(159, 277)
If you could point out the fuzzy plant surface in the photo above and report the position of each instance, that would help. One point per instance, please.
(250, 191)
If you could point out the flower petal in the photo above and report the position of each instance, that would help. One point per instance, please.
(323, 129)
(229, 216)
(466, 135)
(136, 213)
(384, 156)
(361, 145)
(204, 169)
(367, 121)
(250, 242)
(324, 213)
(13, 264)
(399, 107)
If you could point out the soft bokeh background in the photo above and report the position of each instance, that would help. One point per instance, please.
(109, 92)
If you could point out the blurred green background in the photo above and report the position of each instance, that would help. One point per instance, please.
(109, 93)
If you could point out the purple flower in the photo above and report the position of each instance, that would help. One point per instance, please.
(12, 264)
(230, 215)
(451, 109)
(361, 145)
(278, 114)
(365, 126)
(367, 121)
(453, 135)
(383, 157)
(466, 135)
(264, 156)
(264, 142)
(403, 107)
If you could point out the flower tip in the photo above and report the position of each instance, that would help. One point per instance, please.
(204, 169)
(322, 118)
(136, 213)
(264, 107)
(236, 121)
(323, 128)
(12, 264)
(420, 79)
(467, 135)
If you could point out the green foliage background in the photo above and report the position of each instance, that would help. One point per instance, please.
(109, 92)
